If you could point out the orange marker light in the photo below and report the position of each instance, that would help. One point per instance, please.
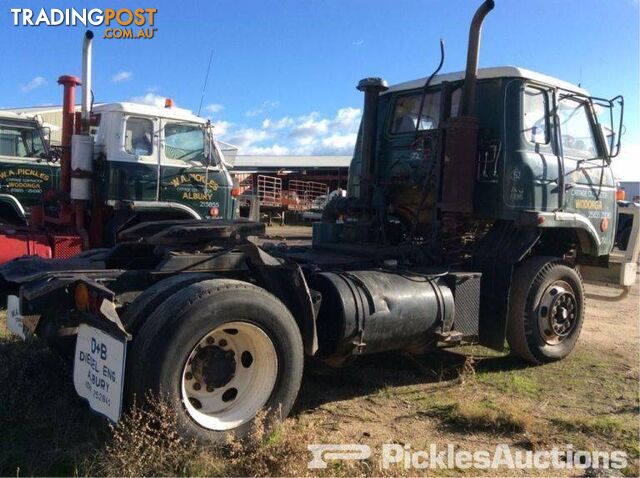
(168, 103)
(236, 192)
(214, 211)
(81, 297)
(604, 224)
(620, 195)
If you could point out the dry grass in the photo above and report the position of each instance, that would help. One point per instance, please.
(483, 416)
(472, 397)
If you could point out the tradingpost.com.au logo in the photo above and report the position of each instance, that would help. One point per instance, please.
(450, 457)
(122, 23)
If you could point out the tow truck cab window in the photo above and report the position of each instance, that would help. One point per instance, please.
(138, 139)
(20, 141)
(535, 111)
(184, 142)
(576, 128)
(407, 109)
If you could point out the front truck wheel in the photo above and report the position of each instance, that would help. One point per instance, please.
(546, 310)
(218, 352)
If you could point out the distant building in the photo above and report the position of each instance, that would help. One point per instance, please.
(330, 170)
(51, 116)
(631, 190)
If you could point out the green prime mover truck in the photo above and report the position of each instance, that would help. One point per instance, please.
(119, 163)
(149, 158)
(475, 199)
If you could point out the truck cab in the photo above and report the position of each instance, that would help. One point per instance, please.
(544, 153)
(162, 162)
(25, 167)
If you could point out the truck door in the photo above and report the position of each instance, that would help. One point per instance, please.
(588, 180)
(133, 165)
(532, 165)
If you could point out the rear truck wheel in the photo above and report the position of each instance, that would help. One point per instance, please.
(546, 310)
(218, 352)
(143, 306)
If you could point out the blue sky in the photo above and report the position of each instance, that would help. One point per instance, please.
(284, 72)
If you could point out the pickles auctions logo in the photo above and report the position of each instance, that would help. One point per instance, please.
(123, 23)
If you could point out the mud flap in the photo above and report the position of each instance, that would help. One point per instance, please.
(496, 255)
(284, 279)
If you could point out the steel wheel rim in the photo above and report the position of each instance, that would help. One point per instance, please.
(229, 376)
(557, 312)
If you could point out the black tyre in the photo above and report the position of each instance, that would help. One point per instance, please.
(218, 352)
(143, 306)
(546, 310)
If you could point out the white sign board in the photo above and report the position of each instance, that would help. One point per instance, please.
(14, 317)
(98, 370)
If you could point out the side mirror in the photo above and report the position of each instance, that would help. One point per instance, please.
(46, 136)
(610, 138)
(208, 145)
(617, 135)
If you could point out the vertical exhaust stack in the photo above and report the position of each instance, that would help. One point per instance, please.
(372, 87)
(473, 53)
(461, 133)
(82, 147)
(68, 119)
(86, 81)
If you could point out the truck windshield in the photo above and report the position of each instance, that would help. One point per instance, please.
(20, 140)
(577, 132)
(184, 141)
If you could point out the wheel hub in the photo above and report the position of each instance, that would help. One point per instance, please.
(563, 314)
(558, 312)
(229, 375)
(214, 366)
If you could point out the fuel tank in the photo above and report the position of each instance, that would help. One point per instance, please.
(374, 310)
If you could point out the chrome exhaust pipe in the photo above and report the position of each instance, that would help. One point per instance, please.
(86, 81)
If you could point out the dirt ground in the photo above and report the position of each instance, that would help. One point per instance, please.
(470, 397)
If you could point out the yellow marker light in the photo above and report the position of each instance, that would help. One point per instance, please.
(81, 297)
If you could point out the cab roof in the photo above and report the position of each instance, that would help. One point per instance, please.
(149, 110)
(5, 114)
(494, 72)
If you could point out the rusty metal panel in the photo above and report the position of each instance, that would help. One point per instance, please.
(459, 165)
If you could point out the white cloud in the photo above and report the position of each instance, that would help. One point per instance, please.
(277, 124)
(359, 42)
(625, 166)
(310, 125)
(304, 135)
(122, 76)
(339, 143)
(149, 99)
(36, 82)
(221, 128)
(263, 108)
(214, 108)
(245, 138)
(273, 150)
